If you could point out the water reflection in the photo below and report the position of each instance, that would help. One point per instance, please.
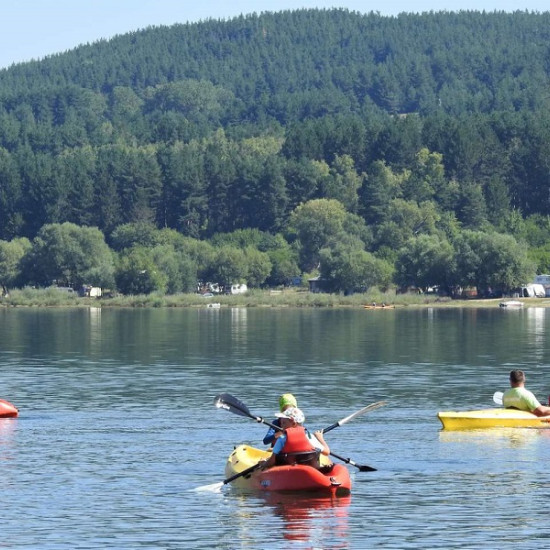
(7, 450)
(317, 521)
(495, 437)
(95, 328)
(7, 429)
(321, 522)
(239, 326)
(536, 318)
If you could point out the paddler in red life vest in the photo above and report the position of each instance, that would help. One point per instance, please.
(296, 445)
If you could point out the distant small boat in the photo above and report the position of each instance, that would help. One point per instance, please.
(214, 305)
(7, 409)
(511, 303)
(378, 306)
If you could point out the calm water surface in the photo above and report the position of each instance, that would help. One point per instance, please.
(117, 429)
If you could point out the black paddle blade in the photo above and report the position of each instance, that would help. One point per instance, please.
(360, 467)
(232, 404)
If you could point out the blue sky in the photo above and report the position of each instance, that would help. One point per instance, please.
(33, 29)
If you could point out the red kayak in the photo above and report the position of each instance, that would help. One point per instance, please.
(331, 479)
(304, 479)
(7, 410)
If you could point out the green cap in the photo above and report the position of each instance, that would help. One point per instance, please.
(287, 400)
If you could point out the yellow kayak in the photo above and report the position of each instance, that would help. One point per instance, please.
(491, 418)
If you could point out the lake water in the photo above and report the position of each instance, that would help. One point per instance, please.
(117, 427)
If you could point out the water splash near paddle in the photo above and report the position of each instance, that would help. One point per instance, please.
(212, 488)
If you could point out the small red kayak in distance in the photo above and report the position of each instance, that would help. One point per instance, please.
(7, 409)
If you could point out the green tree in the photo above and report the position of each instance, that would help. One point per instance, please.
(140, 233)
(498, 201)
(11, 220)
(471, 208)
(427, 177)
(405, 220)
(492, 260)
(314, 223)
(229, 266)
(240, 238)
(197, 101)
(76, 172)
(426, 261)
(125, 107)
(343, 183)
(348, 267)
(283, 259)
(540, 255)
(72, 256)
(184, 200)
(399, 141)
(303, 178)
(41, 201)
(202, 254)
(11, 257)
(107, 203)
(284, 262)
(258, 194)
(220, 173)
(178, 268)
(380, 187)
(137, 272)
(258, 266)
(534, 229)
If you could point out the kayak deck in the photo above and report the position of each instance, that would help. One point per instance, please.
(491, 418)
(330, 479)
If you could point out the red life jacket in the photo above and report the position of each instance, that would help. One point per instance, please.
(298, 449)
(296, 441)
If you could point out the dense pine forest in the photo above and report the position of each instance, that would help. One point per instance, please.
(372, 151)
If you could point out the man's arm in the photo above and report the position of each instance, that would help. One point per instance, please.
(541, 410)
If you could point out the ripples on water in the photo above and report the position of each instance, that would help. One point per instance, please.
(117, 428)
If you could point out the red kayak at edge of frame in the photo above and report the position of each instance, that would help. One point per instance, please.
(7, 409)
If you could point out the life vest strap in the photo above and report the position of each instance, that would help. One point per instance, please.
(308, 458)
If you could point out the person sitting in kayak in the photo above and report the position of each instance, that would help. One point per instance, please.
(286, 401)
(295, 445)
(519, 397)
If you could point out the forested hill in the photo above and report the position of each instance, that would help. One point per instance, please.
(427, 124)
(295, 64)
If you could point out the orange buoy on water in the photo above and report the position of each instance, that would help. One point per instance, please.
(7, 410)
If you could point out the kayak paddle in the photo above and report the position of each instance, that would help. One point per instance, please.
(364, 410)
(360, 467)
(217, 486)
(497, 397)
(232, 404)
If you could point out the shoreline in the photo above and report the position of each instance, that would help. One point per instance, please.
(287, 298)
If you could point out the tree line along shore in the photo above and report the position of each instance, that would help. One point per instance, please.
(368, 151)
(288, 298)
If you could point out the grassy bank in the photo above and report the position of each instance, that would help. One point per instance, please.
(29, 297)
